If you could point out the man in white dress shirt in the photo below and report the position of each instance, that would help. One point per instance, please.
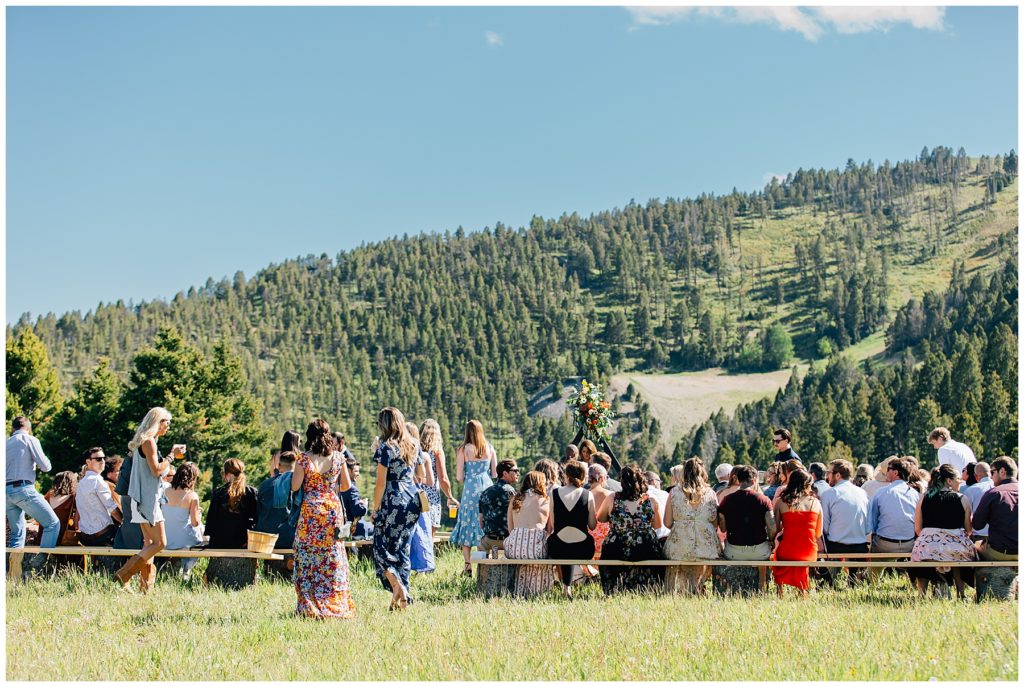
(98, 513)
(660, 496)
(952, 452)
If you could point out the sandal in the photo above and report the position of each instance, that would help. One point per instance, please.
(467, 570)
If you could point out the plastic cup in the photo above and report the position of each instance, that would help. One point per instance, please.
(453, 511)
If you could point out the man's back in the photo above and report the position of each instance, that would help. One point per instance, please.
(956, 454)
(24, 453)
(270, 518)
(844, 510)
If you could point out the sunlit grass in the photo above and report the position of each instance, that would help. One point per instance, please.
(76, 627)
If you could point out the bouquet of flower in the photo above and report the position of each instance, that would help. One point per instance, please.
(590, 411)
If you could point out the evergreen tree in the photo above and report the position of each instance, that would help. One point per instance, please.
(89, 418)
(33, 389)
(995, 419)
(778, 347)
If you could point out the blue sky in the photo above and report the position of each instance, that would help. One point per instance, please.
(152, 148)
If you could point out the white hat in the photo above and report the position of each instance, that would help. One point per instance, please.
(723, 471)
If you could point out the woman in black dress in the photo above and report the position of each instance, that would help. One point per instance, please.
(570, 520)
(233, 510)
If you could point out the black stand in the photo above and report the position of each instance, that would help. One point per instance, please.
(603, 445)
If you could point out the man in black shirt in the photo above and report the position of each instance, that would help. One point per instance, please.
(781, 440)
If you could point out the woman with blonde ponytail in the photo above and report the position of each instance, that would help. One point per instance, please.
(147, 470)
(396, 505)
(233, 510)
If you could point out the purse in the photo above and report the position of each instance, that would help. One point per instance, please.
(424, 502)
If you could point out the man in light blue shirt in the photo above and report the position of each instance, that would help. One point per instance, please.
(891, 512)
(844, 513)
(982, 472)
(24, 455)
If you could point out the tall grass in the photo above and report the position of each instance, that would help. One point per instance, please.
(75, 627)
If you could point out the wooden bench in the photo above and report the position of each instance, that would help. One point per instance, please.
(721, 562)
(17, 555)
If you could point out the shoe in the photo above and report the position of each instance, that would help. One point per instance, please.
(467, 571)
(36, 561)
(147, 577)
(127, 571)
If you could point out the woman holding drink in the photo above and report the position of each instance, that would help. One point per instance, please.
(148, 469)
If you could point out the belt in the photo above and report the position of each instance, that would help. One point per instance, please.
(1005, 553)
(18, 483)
(895, 541)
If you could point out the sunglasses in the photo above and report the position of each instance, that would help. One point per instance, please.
(777, 441)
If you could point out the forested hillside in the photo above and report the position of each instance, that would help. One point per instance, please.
(471, 324)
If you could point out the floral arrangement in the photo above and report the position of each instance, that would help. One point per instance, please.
(590, 411)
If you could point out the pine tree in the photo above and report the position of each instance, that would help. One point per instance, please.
(33, 389)
(995, 419)
(925, 416)
(91, 417)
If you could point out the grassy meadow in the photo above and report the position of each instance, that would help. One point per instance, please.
(75, 627)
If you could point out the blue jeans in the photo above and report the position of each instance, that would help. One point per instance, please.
(26, 500)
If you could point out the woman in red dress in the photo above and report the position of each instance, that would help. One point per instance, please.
(798, 514)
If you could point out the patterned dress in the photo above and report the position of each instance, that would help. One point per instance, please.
(631, 538)
(467, 530)
(693, 536)
(395, 520)
(321, 566)
(434, 496)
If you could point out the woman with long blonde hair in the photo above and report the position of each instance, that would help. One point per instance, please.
(691, 514)
(396, 505)
(433, 444)
(147, 470)
(476, 468)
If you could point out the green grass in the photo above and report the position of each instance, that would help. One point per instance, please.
(74, 627)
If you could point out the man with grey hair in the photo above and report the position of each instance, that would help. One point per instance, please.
(722, 473)
(974, 492)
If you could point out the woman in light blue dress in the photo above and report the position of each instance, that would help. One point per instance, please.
(477, 466)
(182, 517)
(421, 553)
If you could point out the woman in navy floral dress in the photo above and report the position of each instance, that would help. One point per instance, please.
(321, 566)
(633, 516)
(396, 505)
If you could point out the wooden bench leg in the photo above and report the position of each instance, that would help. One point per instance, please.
(14, 566)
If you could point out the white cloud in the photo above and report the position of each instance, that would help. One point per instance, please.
(810, 22)
(494, 38)
(768, 176)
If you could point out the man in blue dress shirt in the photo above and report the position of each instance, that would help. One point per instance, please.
(891, 512)
(844, 512)
(24, 456)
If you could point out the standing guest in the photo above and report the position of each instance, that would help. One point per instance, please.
(598, 487)
(820, 485)
(494, 507)
(352, 503)
(633, 517)
(476, 466)
(321, 566)
(572, 452)
(433, 444)
(781, 439)
(111, 472)
(655, 491)
(844, 514)
(772, 479)
(183, 522)
(98, 512)
(879, 479)
(396, 505)
(942, 522)
(950, 452)
(748, 521)
(605, 461)
(552, 473)
(571, 517)
(891, 512)
(691, 514)
(588, 449)
(997, 510)
(865, 472)
(24, 456)
(147, 469)
(527, 540)
(421, 552)
(798, 513)
(234, 509)
(722, 475)
(982, 483)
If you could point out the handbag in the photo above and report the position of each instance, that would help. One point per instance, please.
(424, 502)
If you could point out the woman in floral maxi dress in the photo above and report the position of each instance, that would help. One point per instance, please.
(396, 505)
(321, 566)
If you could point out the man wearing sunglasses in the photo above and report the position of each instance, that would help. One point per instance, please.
(780, 441)
(494, 506)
